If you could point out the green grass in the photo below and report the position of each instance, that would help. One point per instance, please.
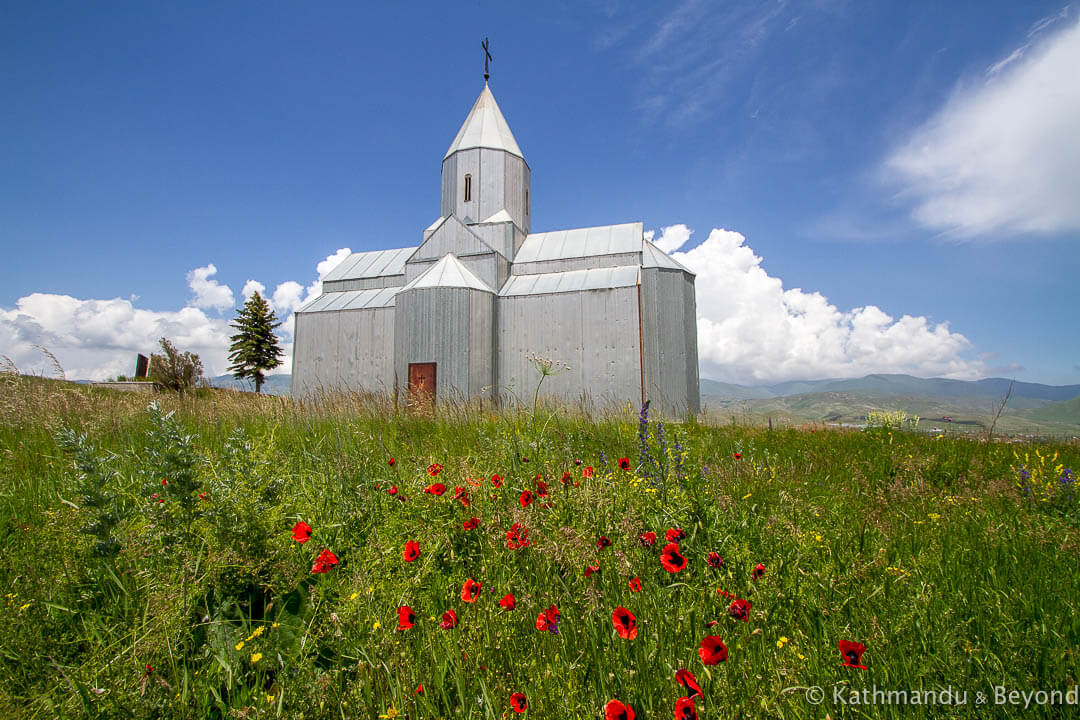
(921, 548)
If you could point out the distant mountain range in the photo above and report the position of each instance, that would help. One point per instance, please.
(1031, 407)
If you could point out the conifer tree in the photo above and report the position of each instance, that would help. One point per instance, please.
(255, 346)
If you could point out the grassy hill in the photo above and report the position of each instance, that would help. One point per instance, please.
(227, 555)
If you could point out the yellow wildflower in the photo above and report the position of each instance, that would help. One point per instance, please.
(376, 626)
(256, 657)
(748, 495)
(781, 642)
(391, 713)
(240, 645)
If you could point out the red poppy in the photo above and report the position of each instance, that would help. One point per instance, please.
(684, 709)
(565, 479)
(393, 490)
(712, 650)
(508, 602)
(471, 524)
(204, 496)
(740, 610)
(462, 495)
(616, 710)
(434, 469)
(435, 489)
(391, 462)
(476, 483)
(625, 623)
(300, 533)
(674, 534)
(420, 689)
(603, 542)
(412, 551)
(852, 653)
(470, 591)
(164, 482)
(496, 480)
(624, 463)
(635, 584)
(670, 558)
(517, 537)
(324, 562)
(548, 620)
(591, 569)
(526, 498)
(686, 678)
(648, 538)
(541, 488)
(406, 617)
(738, 456)
(759, 570)
(449, 620)
(587, 472)
(725, 593)
(715, 560)
(518, 703)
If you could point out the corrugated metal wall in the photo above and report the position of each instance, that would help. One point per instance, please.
(668, 312)
(582, 263)
(595, 332)
(351, 349)
(385, 281)
(499, 181)
(451, 327)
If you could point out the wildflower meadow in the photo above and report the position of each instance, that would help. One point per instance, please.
(220, 555)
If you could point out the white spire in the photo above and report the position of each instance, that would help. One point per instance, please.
(485, 127)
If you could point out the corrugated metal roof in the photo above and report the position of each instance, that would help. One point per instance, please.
(435, 224)
(655, 257)
(448, 272)
(485, 127)
(375, 263)
(572, 281)
(351, 300)
(499, 217)
(581, 242)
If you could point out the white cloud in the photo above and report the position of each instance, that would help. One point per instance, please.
(208, 293)
(1002, 155)
(251, 287)
(672, 237)
(752, 330)
(99, 339)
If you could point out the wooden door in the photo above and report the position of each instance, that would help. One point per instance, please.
(421, 383)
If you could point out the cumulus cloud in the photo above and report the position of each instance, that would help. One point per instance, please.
(207, 292)
(752, 330)
(251, 287)
(98, 339)
(1002, 155)
(673, 237)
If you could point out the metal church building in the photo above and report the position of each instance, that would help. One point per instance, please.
(460, 315)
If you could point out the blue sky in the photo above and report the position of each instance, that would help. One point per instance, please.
(871, 187)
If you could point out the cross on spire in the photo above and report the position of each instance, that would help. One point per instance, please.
(487, 58)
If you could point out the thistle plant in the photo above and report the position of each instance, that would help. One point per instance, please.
(94, 484)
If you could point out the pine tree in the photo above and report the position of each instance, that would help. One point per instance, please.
(254, 347)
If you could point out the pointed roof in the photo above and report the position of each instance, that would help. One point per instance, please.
(448, 272)
(485, 127)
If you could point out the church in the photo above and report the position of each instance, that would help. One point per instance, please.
(482, 302)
